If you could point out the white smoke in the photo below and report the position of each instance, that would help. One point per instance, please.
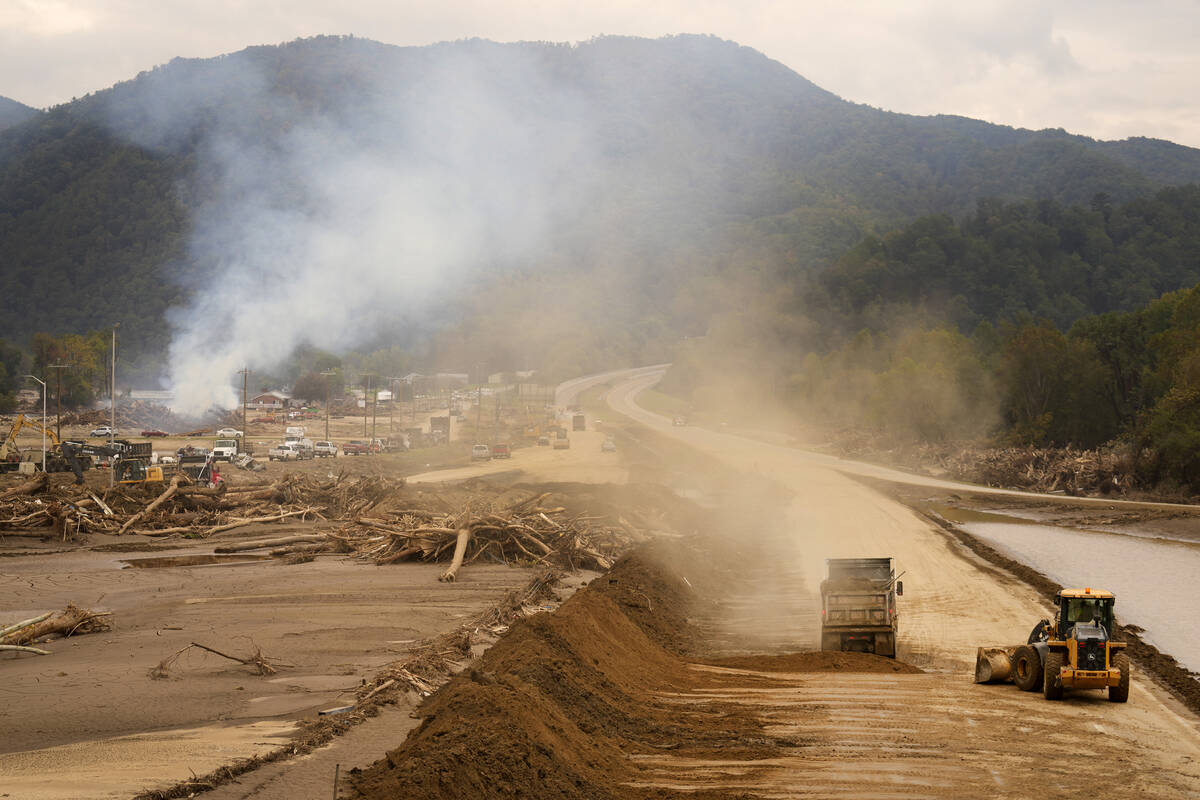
(367, 212)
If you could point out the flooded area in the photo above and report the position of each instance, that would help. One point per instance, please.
(1153, 578)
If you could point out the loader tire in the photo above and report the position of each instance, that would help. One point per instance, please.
(1120, 692)
(1052, 687)
(1027, 668)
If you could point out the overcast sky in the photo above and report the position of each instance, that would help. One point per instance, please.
(1103, 68)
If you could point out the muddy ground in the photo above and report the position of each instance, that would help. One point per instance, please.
(92, 714)
(687, 670)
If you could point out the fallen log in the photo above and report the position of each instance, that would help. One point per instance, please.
(162, 498)
(108, 512)
(237, 548)
(71, 620)
(460, 549)
(33, 486)
(165, 531)
(16, 626)
(251, 520)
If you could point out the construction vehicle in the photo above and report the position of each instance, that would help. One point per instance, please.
(197, 464)
(10, 455)
(1075, 651)
(76, 458)
(858, 605)
(129, 461)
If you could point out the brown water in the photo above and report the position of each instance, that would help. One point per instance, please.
(1154, 579)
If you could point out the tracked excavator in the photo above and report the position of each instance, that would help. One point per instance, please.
(10, 456)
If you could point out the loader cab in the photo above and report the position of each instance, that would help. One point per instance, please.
(1084, 607)
(138, 472)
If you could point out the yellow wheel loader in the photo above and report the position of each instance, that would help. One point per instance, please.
(1075, 651)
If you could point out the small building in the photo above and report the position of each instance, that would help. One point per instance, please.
(271, 401)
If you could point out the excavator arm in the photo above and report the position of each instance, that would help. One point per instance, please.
(73, 450)
(9, 446)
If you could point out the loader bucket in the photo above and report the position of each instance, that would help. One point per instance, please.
(993, 664)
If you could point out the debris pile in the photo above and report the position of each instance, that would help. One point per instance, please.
(180, 508)
(525, 531)
(1064, 470)
(130, 414)
(370, 517)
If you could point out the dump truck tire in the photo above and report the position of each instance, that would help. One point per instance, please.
(1120, 692)
(1052, 687)
(1027, 669)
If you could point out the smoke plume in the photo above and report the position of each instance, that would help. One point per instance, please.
(326, 224)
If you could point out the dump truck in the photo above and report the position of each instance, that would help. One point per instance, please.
(1074, 651)
(858, 605)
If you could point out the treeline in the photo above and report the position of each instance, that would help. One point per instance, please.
(1024, 323)
(1129, 379)
(1037, 259)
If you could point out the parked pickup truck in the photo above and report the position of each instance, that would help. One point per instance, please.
(355, 448)
(284, 452)
(325, 450)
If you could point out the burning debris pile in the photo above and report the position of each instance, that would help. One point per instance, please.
(133, 414)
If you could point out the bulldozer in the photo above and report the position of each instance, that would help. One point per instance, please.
(1075, 651)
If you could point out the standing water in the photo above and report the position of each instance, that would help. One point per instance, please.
(1154, 579)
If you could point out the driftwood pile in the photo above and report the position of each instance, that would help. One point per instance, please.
(72, 621)
(1063, 470)
(523, 532)
(372, 520)
(34, 509)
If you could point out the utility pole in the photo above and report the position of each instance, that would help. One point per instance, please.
(479, 400)
(365, 411)
(58, 398)
(112, 478)
(245, 380)
(43, 383)
(374, 406)
(328, 396)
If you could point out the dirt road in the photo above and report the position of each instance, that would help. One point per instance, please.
(941, 735)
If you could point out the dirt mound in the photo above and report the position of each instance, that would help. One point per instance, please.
(557, 708)
(816, 661)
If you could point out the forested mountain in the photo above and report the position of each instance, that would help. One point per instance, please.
(679, 174)
(1033, 259)
(13, 113)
